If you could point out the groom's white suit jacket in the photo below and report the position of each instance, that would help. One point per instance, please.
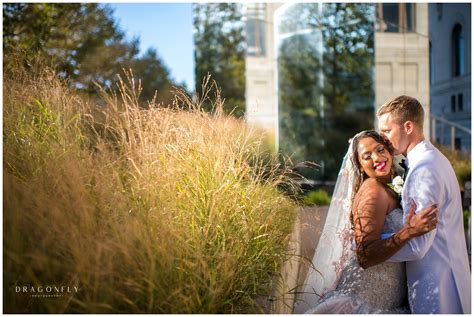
(438, 275)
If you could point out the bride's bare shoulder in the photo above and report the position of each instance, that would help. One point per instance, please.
(371, 196)
(371, 183)
(370, 189)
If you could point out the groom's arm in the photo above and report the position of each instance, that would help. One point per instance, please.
(425, 190)
(370, 210)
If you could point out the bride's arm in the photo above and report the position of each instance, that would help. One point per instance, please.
(369, 217)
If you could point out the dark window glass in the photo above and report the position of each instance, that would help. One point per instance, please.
(457, 144)
(458, 50)
(439, 8)
(255, 28)
(396, 17)
(460, 102)
(431, 64)
(453, 103)
(409, 17)
(390, 16)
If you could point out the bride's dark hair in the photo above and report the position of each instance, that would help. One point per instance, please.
(361, 176)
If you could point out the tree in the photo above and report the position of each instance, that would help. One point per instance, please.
(348, 30)
(83, 42)
(325, 81)
(220, 51)
(154, 76)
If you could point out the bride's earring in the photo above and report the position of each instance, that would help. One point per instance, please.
(361, 177)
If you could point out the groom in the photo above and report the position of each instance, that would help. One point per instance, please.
(438, 275)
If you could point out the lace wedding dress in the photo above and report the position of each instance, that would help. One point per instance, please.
(335, 282)
(380, 289)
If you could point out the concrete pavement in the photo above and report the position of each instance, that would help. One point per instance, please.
(303, 242)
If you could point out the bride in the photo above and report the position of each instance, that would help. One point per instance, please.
(349, 273)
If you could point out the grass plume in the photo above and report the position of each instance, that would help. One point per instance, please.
(156, 210)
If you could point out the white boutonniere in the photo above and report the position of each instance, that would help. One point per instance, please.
(397, 185)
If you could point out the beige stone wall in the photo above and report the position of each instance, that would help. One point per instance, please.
(260, 81)
(402, 64)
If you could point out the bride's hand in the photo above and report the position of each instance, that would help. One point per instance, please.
(423, 222)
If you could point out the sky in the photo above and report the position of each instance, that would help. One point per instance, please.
(165, 26)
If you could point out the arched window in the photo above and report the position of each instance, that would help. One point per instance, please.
(458, 50)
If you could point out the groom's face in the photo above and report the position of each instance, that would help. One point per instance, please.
(394, 132)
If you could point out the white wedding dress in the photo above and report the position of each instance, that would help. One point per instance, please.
(335, 283)
(380, 289)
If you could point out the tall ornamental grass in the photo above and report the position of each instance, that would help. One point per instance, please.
(156, 210)
(461, 162)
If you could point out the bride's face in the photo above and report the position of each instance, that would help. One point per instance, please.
(374, 158)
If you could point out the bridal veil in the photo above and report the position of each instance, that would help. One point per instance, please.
(335, 243)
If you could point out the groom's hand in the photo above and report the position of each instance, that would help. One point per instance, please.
(423, 222)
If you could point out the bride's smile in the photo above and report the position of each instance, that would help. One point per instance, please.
(380, 166)
(374, 158)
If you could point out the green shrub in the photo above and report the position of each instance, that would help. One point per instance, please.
(463, 172)
(317, 197)
(461, 163)
(466, 216)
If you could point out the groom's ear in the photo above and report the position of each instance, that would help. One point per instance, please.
(408, 126)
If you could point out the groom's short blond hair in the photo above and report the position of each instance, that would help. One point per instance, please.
(404, 108)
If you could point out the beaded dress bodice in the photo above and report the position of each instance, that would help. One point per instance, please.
(378, 289)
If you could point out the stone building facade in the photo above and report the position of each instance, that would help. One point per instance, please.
(401, 59)
(450, 73)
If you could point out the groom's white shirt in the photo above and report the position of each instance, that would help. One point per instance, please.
(438, 275)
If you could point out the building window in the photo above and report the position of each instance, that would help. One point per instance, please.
(431, 64)
(255, 27)
(458, 50)
(460, 102)
(457, 144)
(439, 9)
(453, 103)
(396, 17)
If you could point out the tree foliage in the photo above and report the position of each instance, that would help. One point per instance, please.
(83, 42)
(220, 51)
(325, 81)
(155, 75)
